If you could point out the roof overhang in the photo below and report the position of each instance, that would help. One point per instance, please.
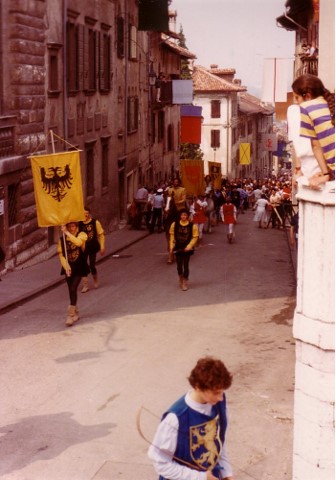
(285, 21)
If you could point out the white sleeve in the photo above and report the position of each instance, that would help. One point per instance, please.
(226, 470)
(302, 145)
(162, 450)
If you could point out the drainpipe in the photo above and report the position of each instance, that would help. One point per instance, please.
(126, 33)
(65, 107)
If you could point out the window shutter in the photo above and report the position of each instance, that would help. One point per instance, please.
(120, 37)
(215, 109)
(86, 59)
(81, 57)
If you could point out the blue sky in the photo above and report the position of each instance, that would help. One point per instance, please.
(235, 34)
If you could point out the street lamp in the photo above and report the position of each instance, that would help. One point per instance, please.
(152, 76)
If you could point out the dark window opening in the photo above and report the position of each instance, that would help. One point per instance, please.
(215, 109)
(215, 138)
(12, 204)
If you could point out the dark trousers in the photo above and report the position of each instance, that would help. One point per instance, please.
(156, 218)
(182, 264)
(92, 262)
(73, 283)
(274, 217)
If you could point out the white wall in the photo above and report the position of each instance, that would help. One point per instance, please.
(314, 331)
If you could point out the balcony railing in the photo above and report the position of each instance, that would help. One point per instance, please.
(308, 65)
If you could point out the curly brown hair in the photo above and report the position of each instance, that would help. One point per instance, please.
(312, 84)
(210, 374)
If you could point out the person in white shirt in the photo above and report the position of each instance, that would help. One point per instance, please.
(189, 443)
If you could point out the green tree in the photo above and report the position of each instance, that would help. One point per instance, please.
(190, 151)
(185, 73)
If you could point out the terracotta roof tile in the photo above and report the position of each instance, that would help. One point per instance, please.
(250, 104)
(204, 81)
(184, 52)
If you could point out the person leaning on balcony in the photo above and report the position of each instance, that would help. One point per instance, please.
(317, 109)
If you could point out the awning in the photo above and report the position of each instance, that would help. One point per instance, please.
(285, 21)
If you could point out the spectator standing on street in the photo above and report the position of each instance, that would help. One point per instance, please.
(317, 107)
(276, 214)
(260, 211)
(219, 200)
(235, 197)
(294, 231)
(141, 200)
(183, 238)
(230, 218)
(198, 418)
(74, 264)
(95, 243)
(157, 212)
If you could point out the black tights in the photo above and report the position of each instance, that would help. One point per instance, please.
(92, 263)
(182, 263)
(73, 283)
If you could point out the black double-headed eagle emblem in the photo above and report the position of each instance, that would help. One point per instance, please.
(56, 181)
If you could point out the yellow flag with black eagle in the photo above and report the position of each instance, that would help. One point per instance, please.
(58, 188)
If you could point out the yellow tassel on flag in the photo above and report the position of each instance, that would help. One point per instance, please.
(58, 188)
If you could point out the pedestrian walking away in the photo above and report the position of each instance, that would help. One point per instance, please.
(70, 248)
(260, 211)
(189, 443)
(183, 238)
(95, 243)
(157, 213)
(230, 218)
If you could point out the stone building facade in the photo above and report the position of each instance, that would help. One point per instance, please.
(80, 69)
(231, 116)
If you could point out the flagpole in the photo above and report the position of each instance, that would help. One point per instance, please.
(64, 240)
(52, 141)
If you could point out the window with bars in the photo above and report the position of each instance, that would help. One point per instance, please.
(215, 108)
(12, 204)
(215, 139)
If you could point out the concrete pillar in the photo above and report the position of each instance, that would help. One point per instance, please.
(313, 329)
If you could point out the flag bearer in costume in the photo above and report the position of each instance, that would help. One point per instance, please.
(189, 443)
(95, 243)
(74, 264)
(183, 238)
(230, 218)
